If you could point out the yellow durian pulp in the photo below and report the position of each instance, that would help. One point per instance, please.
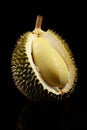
(51, 65)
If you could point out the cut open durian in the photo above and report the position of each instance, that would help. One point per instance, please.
(42, 64)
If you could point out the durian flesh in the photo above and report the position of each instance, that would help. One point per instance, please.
(42, 61)
(51, 65)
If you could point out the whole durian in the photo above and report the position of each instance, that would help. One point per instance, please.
(42, 65)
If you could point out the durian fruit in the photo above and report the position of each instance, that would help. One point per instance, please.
(43, 65)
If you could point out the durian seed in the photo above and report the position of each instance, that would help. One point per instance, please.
(51, 65)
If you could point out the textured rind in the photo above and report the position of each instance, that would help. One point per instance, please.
(24, 76)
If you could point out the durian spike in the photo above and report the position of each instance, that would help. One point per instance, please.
(38, 22)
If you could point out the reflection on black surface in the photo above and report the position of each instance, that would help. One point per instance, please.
(50, 116)
(38, 116)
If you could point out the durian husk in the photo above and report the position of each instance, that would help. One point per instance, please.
(24, 77)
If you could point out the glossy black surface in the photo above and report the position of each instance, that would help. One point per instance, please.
(16, 111)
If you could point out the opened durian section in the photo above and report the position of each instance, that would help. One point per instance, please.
(42, 64)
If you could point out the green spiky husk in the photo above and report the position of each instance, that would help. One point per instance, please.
(24, 76)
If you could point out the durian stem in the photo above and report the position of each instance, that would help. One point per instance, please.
(38, 22)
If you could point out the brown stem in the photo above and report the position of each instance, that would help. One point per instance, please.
(38, 21)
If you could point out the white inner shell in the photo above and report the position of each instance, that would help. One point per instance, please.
(53, 40)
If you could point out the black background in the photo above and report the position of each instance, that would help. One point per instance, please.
(16, 111)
